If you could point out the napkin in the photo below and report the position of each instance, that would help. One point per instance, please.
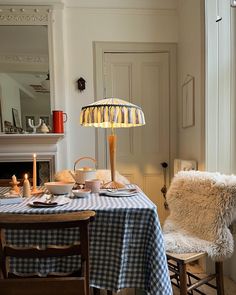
(45, 201)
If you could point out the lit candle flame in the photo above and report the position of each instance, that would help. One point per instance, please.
(26, 176)
(34, 155)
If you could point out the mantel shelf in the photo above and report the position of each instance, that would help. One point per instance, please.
(31, 138)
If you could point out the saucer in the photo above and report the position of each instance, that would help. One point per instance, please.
(81, 193)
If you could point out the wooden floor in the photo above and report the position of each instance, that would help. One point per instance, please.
(230, 289)
(229, 285)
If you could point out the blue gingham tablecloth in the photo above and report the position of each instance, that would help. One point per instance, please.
(126, 243)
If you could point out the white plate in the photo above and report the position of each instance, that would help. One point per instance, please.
(119, 192)
(44, 203)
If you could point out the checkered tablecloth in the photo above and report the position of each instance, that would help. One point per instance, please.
(126, 243)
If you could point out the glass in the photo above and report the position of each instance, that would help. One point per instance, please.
(24, 74)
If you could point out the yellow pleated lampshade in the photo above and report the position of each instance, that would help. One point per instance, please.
(112, 113)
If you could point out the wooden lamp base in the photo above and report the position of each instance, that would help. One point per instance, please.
(113, 184)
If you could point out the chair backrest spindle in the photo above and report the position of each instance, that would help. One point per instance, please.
(39, 222)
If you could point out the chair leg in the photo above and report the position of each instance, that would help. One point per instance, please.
(183, 278)
(219, 278)
(96, 291)
(190, 283)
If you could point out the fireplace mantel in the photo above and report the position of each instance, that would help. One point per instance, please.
(26, 143)
(37, 138)
(20, 147)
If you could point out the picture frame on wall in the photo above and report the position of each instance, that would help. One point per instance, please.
(16, 118)
(188, 110)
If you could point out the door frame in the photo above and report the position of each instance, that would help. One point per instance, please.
(100, 48)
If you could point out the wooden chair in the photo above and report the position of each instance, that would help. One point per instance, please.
(186, 281)
(55, 283)
(201, 210)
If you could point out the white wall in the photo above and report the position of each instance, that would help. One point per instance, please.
(83, 27)
(221, 95)
(10, 97)
(191, 62)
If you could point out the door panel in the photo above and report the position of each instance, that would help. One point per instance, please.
(143, 79)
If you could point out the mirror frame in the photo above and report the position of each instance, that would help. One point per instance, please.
(32, 16)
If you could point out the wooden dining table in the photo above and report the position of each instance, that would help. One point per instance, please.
(126, 242)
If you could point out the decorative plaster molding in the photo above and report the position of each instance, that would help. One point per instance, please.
(24, 15)
(23, 19)
(20, 59)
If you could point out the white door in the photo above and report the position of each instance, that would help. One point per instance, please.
(143, 79)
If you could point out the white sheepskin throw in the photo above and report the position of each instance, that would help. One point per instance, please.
(103, 174)
(202, 206)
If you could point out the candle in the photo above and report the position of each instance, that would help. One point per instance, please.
(14, 180)
(26, 187)
(34, 173)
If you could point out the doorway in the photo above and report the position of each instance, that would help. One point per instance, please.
(144, 74)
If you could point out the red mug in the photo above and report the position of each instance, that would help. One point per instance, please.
(58, 118)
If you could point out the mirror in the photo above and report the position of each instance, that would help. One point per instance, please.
(24, 77)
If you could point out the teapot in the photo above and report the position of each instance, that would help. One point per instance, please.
(84, 173)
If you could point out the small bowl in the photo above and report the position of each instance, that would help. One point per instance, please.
(81, 193)
(59, 187)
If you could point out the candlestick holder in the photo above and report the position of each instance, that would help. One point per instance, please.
(15, 190)
(35, 191)
(34, 127)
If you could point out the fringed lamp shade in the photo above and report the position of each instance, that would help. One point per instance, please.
(112, 113)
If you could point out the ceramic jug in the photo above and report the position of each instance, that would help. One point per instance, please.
(58, 118)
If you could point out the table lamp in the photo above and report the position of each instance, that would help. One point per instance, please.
(112, 113)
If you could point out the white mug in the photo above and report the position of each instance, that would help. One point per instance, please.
(94, 185)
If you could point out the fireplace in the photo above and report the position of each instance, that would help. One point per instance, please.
(19, 165)
(16, 156)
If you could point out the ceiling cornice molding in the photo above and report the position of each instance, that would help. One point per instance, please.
(51, 3)
(109, 4)
(123, 4)
(128, 11)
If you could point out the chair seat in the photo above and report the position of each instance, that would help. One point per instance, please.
(185, 257)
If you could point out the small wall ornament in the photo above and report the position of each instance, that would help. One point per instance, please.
(81, 84)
